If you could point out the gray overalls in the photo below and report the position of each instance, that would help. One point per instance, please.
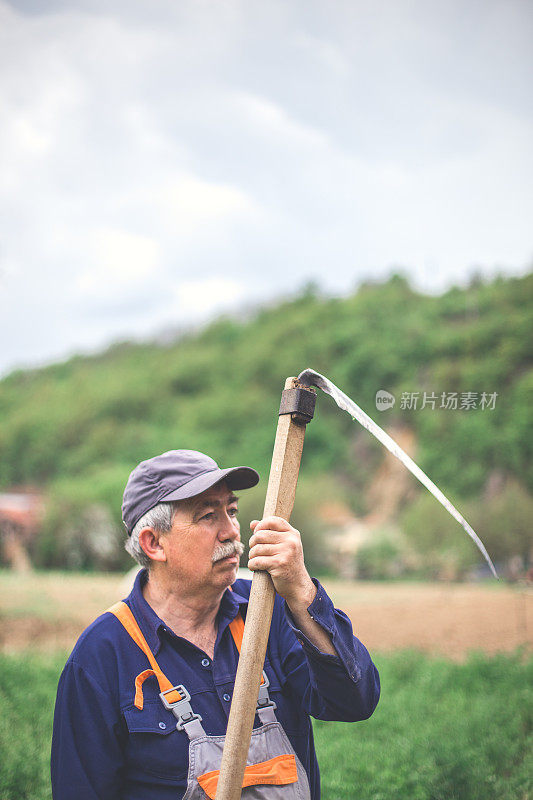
(273, 771)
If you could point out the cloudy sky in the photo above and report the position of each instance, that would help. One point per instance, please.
(162, 160)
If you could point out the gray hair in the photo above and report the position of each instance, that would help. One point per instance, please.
(160, 518)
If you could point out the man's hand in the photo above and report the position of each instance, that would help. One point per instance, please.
(276, 547)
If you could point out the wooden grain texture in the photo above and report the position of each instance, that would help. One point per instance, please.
(279, 502)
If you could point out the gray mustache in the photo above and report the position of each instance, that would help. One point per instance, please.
(228, 549)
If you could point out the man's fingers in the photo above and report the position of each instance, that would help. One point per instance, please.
(267, 537)
(263, 550)
(262, 562)
(275, 547)
(273, 524)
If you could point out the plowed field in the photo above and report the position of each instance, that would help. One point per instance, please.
(48, 611)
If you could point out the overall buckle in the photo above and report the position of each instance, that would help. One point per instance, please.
(180, 708)
(264, 701)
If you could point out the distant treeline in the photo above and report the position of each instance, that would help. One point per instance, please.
(77, 428)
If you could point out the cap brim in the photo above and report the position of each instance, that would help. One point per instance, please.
(236, 478)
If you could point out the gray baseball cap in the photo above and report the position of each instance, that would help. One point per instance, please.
(176, 475)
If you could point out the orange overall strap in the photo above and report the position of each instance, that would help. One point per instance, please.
(236, 627)
(124, 615)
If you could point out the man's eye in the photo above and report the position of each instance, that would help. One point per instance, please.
(233, 512)
(210, 515)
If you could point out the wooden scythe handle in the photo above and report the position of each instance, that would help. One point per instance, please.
(279, 502)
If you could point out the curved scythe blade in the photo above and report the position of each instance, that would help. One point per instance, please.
(311, 378)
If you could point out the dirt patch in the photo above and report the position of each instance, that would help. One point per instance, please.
(48, 611)
(442, 619)
(23, 633)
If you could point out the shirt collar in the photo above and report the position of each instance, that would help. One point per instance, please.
(153, 626)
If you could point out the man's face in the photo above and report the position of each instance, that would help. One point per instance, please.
(203, 546)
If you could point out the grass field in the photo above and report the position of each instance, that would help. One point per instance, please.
(442, 731)
(458, 728)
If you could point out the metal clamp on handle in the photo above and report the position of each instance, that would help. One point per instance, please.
(299, 402)
(264, 701)
(180, 708)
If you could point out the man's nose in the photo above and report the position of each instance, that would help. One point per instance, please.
(229, 528)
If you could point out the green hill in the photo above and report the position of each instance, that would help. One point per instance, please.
(77, 428)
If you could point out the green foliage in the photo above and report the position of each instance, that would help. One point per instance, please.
(28, 686)
(78, 428)
(305, 517)
(380, 558)
(502, 520)
(82, 527)
(441, 546)
(441, 731)
(313, 491)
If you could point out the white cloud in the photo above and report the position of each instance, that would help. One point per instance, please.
(272, 120)
(188, 203)
(200, 298)
(329, 54)
(120, 259)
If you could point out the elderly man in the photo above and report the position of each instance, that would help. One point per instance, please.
(144, 698)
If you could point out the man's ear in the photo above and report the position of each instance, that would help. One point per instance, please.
(149, 541)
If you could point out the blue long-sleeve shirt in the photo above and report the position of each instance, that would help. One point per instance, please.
(104, 748)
